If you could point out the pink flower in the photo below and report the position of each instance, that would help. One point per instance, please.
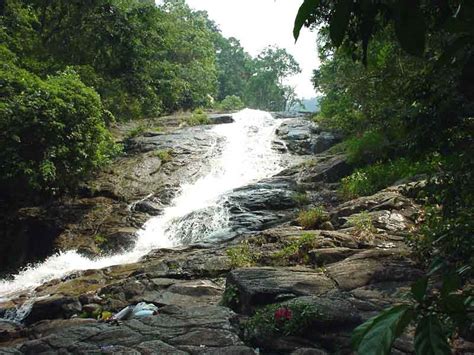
(282, 314)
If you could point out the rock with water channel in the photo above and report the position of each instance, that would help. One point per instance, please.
(231, 265)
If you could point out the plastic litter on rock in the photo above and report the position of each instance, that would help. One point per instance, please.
(141, 310)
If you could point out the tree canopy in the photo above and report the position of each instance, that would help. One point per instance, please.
(70, 67)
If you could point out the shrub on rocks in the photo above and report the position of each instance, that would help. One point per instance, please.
(312, 218)
(279, 319)
(297, 251)
(241, 255)
(198, 117)
(370, 179)
(164, 155)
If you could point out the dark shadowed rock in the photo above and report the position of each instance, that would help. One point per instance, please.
(53, 307)
(262, 285)
(309, 351)
(329, 169)
(334, 312)
(220, 118)
(153, 208)
(330, 255)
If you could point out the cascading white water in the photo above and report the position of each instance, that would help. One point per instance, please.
(246, 156)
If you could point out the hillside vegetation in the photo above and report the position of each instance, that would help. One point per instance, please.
(398, 82)
(71, 68)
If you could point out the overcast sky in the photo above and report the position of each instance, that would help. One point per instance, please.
(258, 23)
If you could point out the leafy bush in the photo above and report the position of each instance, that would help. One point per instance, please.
(230, 298)
(231, 103)
(437, 315)
(198, 117)
(312, 218)
(368, 180)
(367, 148)
(447, 228)
(52, 132)
(136, 131)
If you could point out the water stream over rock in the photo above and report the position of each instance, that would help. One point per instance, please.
(201, 211)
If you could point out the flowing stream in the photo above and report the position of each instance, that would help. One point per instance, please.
(195, 215)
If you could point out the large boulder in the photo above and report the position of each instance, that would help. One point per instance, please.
(373, 266)
(52, 308)
(259, 286)
(326, 169)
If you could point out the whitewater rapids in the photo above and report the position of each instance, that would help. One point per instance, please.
(245, 157)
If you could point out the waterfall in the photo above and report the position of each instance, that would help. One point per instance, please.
(194, 215)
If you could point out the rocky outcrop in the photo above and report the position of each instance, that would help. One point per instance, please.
(304, 137)
(207, 294)
(259, 286)
(339, 277)
(194, 330)
(110, 208)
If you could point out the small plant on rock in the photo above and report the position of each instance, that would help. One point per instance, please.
(100, 240)
(230, 298)
(242, 255)
(297, 251)
(135, 132)
(164, 155)
(198, 117)
(312, 218)
(364, 227)
(281, 319)
(301, 198)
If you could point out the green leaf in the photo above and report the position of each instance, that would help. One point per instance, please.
(430, 339)
(410, 27)
(455, 304)
(418, 289)
(340, 21)
(304, 12)
(437, 264)
(451, 282)
(376, 336)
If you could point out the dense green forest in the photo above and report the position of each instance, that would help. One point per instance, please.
(397, 80)
(70, 68)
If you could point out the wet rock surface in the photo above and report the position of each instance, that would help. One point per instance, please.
(191, 287)
(206, 293)
(112, 206)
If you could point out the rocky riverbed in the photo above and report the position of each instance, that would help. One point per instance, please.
(344, 271)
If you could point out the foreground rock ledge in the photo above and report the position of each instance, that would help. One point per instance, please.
(347, 279)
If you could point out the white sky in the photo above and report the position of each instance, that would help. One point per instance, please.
(258, 23)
